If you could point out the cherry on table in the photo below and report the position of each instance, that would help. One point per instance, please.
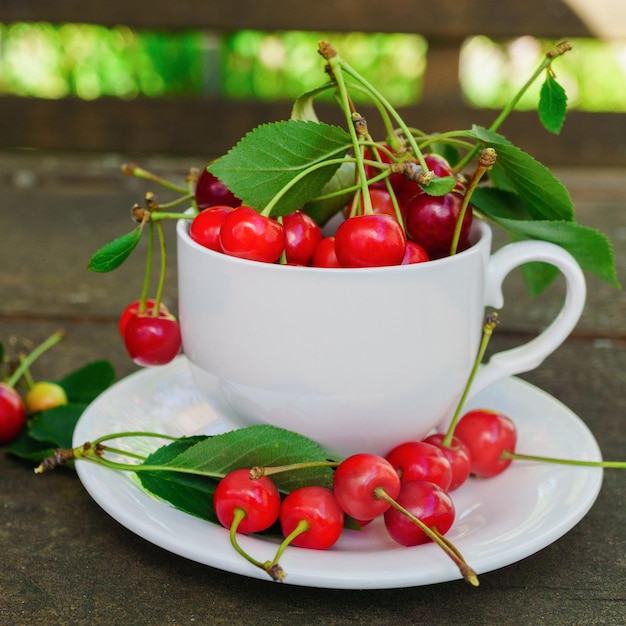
(247, 234)
(487, 434)
(313, 512)
(357, 480)
(429, 503)
(419, 460)
(12, 413)
(44, 395)
(457, 454)
(152, 340)
(258, 498)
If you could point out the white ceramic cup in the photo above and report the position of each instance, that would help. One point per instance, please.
(355, 359)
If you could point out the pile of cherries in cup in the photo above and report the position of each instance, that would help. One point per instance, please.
(409, 487)
(423, 231)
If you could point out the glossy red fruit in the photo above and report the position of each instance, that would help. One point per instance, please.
(210, 191)
(381, 203)
(257, 497)
(370, 241)
(247, 234)
(44, 395)
(430, 221)
(205, 227)
(458, 456)
(12, 413)
(418, 460)
(133, 308)
(355, 483)
(487, 434)
(152, 340)
(318, 508)
(302, 234)
(414, 253)
(325, 255)
(426, 501)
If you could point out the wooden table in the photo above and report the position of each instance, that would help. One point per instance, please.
(66, 561)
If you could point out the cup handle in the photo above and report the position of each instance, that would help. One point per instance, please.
(531, 354)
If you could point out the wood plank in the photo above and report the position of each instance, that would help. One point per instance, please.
(209, 127)
(447, 19)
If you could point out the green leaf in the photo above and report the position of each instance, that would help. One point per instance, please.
(592, 249)
(56, 426)
(439, 186)
(269, 157)
(497, 203)
(114, 253)
(217, 455)
(28, 448)
(187, 492)
(542, 193)
(303, 109)
(322, 210)
(552, 104)
(87, 383)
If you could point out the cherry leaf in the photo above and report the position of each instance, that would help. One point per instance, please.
(88, 382)
(544, 196)
(552, 104)
(56, 426)
(439, 186)
(270, 156)
(114, 253)
(217, 455)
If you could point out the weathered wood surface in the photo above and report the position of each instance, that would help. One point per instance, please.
(65, 561)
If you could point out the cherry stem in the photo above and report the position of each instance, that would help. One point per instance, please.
(485, 163)
(558, 50)
(27, 361)
(258, 471)
(517, 456)
(335, 66)
(272, 568)
(143, 299)
(302, 527)
(132, 169)
(488, 328)
(161, 284)
(445, 544)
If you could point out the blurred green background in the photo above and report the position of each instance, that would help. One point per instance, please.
(55, 61)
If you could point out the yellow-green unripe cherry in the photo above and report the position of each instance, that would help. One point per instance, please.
(44, 395)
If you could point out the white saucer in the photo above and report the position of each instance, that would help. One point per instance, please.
(499, 520)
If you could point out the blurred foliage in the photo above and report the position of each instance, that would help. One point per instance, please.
(593, 73)
(89, 61)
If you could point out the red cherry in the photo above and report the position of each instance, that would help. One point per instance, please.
(418, 460)
(487, 434)
(247, 234)
(257, 497)
(414, 253)
(426, 501)
(355, 483)
(12, 413)
(316, 509)
(205, 227)
(210, 191)
(151, 340)
(133, 308)
(324, 255)
(302, 234)
(430, 221)
(458, 456)
(382, 203)
(370, 241)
